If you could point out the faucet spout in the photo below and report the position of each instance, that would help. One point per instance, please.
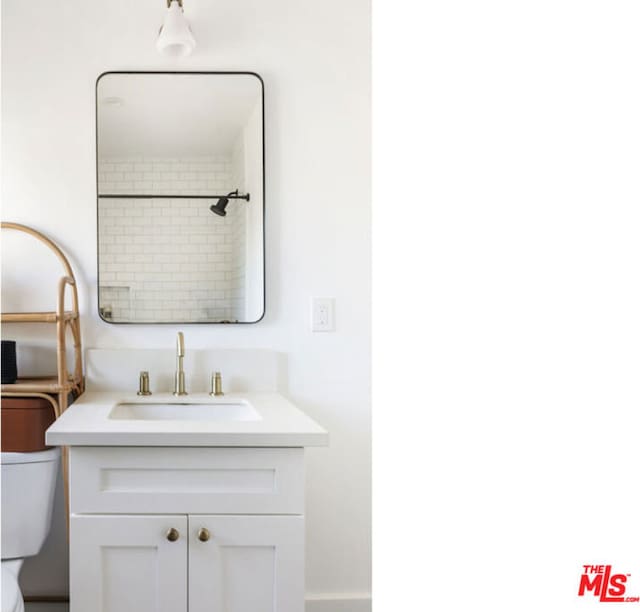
(179, 384)
(180, 345)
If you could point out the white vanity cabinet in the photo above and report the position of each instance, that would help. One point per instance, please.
(171, 529)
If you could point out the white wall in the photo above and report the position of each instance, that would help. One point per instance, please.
(314, 58)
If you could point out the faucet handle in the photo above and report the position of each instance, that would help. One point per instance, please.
(216, 384)
(144, 384)
(180, 344)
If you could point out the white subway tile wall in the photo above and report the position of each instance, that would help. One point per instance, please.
(171, 259)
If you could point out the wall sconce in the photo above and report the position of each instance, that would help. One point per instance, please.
(175, 37)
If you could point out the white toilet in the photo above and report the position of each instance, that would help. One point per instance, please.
(28, 487)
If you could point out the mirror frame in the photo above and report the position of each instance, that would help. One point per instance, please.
(264, 199)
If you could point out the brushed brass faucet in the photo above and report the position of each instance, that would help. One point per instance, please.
(216, 384)
(144, 384)
(179, 386)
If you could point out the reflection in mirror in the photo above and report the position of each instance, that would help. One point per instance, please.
(180, 197)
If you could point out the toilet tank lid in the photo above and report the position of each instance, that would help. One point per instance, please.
(36, 457)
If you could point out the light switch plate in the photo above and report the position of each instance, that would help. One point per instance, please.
(323, 314)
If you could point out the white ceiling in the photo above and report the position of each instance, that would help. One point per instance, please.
(172, 115)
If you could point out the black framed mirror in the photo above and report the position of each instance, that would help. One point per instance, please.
(180, 189)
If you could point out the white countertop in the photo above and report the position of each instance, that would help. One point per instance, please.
(86, 423)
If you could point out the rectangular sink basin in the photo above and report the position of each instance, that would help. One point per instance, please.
(232, 410)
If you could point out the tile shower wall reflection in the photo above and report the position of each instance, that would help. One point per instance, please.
(171, 258)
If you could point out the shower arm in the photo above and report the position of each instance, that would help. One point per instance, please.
(124, 196)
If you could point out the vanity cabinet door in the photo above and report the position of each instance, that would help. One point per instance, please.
(128, 563)
(246, 563)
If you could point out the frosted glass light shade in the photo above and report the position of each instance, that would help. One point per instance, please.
(175, 38)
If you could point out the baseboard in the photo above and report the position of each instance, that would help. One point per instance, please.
(41, 606)
(313, 603)
(338, 602)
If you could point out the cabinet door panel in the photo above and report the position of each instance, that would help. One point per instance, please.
(249, 564)
(126, 564)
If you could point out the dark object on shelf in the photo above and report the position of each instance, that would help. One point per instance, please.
(24, 421)
(9, 363)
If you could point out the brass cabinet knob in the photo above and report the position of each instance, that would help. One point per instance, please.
(173, 534)
(203, 534)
